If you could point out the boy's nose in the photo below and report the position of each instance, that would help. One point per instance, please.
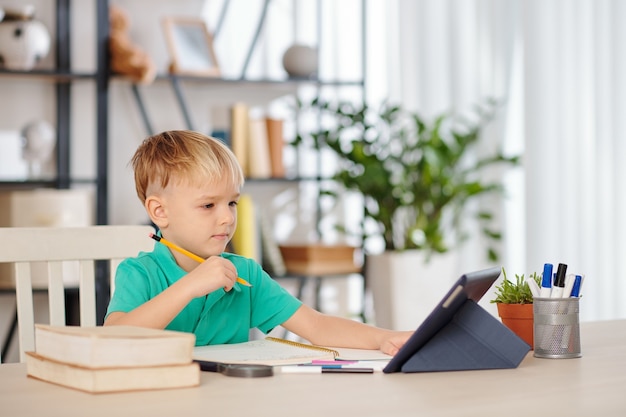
(228, 217)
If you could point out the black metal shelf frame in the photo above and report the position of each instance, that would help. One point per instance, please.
(63, 77)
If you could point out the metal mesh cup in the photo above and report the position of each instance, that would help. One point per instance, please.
(557, 328)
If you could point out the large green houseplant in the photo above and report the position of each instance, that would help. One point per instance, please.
(417, 177)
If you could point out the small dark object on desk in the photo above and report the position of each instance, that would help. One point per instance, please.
(239, 370)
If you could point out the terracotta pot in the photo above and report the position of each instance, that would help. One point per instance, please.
(518, 318)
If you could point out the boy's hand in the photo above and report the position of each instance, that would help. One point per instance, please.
(392, 344)
(212, 274)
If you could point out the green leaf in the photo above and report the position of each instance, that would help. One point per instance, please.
(514, 292)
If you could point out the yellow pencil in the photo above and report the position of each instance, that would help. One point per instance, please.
(189, 254)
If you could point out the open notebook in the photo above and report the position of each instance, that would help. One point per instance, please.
(275, 351)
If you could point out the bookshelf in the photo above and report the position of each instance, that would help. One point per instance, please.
(63, 79)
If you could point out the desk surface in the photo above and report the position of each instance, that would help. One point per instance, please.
(592, 385)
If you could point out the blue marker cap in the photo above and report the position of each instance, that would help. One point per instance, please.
(546, 278)
(576, 287)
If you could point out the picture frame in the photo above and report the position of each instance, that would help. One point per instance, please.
(190, 45)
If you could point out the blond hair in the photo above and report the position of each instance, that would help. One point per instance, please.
(185, 156)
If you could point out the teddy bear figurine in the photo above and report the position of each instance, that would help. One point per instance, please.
(126, 58)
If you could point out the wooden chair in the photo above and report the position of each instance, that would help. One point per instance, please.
(54, 246)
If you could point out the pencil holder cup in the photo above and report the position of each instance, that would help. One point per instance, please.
(556, 328)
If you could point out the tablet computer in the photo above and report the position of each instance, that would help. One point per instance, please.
(470, 286)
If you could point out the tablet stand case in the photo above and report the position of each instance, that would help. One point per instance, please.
(473, 339)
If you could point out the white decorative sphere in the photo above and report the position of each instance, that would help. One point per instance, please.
(23, 43)
(39, 140)
(300, 61)
(38, 143)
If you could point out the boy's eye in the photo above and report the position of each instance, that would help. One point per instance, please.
(233, 203)
(210, 205)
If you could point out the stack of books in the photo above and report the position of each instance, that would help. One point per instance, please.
(257, 141)
(113, 358)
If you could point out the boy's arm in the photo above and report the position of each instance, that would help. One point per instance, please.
(214, 273)
(156, 313)
(325, 330)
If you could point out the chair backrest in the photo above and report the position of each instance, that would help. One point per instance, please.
(54, 246)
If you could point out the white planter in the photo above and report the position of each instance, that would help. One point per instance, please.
(405, 289)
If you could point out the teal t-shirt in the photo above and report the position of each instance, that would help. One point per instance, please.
(217, 318)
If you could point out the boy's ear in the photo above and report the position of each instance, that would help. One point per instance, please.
(156, 211)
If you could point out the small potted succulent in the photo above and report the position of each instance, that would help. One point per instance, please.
(515, 305)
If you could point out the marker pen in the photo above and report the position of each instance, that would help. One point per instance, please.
(582, 282)
(341, 362)
(559, 282)
(546, 281)
(573, 282)
(323, 370)
(569, 284)
(534, 288)
(576, 287)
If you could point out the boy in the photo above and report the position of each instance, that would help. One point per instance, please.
(189, 184)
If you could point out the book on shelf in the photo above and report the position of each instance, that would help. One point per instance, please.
(113, 346)
(239, 133)
(275, 351)
(246, 240)
(259, 162)
(102, 380)
(257, 141)
(276, 143)
(272, 259)
(223, 135)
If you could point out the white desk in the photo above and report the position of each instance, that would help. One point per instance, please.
(594, 385)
